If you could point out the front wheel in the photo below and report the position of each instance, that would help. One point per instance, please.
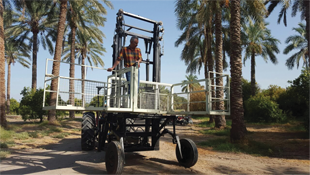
(114, 158)
(189, 153)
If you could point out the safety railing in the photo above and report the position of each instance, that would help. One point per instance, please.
(197, 97)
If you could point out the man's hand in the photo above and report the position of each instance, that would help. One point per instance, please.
(109, 69)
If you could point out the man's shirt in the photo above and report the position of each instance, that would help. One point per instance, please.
(130, 56)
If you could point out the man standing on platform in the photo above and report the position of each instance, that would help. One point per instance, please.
(132, 56)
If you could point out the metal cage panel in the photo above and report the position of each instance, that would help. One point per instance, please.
(120, 95)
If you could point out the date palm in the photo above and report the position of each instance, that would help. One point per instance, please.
(87, 48)
(14, 53)
(258, 41)
(191, 86)
(57, 57)
(78, 16)
(33, 20)
(237, 132)
(3, 121)
(61, 27)
(299, 43)
(298, 5)
(5, 20)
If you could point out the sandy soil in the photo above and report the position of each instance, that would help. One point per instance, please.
(64, 156)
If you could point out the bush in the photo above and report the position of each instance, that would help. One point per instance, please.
(14, 106)
(301, 86)
(274, 92)
(31, 104)
(293, 102)
(262, 109)
(246, 89)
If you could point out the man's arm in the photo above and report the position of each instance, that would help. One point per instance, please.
(115, 64)
(120, 57)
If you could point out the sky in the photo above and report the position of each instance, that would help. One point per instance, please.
(173, 70)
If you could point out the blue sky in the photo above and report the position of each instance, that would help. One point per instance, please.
(172, 68)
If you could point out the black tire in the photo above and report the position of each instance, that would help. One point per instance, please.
(114, 158)
(189, 153)
(88, 131)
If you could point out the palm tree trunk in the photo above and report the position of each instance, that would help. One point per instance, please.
(8, 91)
(34, 61)
(72, 70)
(307, 17)
(253, 89)
(210, 62)
(237, 132)
(220, 121)
(83, 78)
(57, 56)
(2, 70)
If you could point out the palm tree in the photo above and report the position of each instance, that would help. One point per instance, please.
(5, 5)
(2, 70)
(297, 42)
(14, 53)
(298, 5)
(220, 121)
(33, 18)
(87, 48)
(191, 86)
(57, 57)
(258, 41)
(237, 131)
(77, 16)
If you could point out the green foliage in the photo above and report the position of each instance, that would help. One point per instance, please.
(5, 135)
(217, 132)
(4, 154)
(14, 106)
(33, 134)
(246, 89)
(274, 92)
(261, 108)
(291, 103)
(3, 145)
(31, 104)
(302, 86)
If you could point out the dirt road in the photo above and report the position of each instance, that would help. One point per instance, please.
(66, 157)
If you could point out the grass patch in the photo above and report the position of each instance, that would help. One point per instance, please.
(250, 147)
(28, 141)
(5, 135)
(61, 135)
(21, 136)
(296, 128)
(204, 118)
(205, 123)
(4, 154)
(34, 134)
(76, 129)
(217, 132)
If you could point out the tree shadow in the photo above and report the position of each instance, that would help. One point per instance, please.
(222, 169)
(66, 154)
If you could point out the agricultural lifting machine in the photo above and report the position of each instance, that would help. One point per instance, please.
(126, 122)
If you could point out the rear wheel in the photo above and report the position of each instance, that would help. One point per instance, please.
(114, 158)
(189, 153)
(88, 131)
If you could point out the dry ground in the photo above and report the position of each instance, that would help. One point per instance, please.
(64, 156)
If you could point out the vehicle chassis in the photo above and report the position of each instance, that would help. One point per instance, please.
(117, 129)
